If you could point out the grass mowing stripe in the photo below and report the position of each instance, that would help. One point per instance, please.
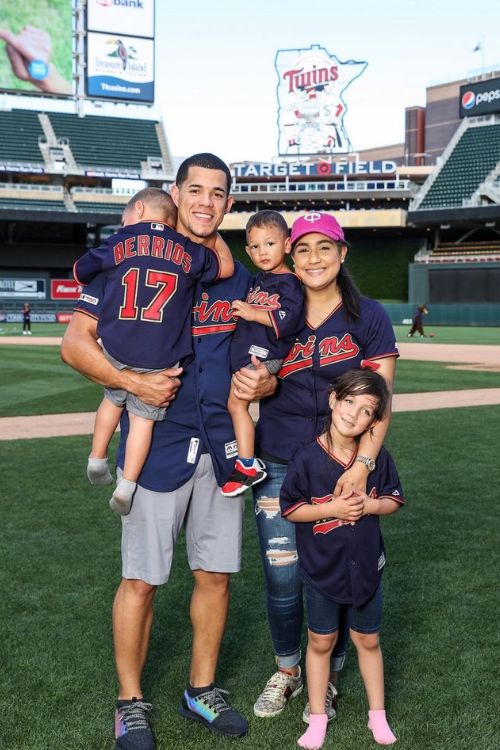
(36, 381)
(59, 566)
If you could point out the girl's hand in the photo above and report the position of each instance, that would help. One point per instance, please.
(348, 507)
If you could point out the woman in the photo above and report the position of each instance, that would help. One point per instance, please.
(342, 331)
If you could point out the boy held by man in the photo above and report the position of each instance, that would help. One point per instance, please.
(150, 271)
(268, 321)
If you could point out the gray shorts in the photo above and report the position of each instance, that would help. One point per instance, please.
(213, 525)
(134, 405)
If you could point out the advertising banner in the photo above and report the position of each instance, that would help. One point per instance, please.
(481, 98)
(64, 317)
(65, 289)
(120, 67)
(22, 289)
(311, 104)
(132, 17)
(36, 46)
(47, 317)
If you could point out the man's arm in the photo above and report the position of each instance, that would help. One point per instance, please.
(81, 351)
(252, 385)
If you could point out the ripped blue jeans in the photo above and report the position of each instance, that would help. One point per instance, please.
(284, 588)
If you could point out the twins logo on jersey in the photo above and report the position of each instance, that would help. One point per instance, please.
(326, 525)
(216, 317)
(262, 300)
(331, 349)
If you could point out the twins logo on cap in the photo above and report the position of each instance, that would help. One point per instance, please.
(320, 223)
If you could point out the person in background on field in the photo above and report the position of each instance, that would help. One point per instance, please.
(26, 311)
(417, 326)
(336, 533)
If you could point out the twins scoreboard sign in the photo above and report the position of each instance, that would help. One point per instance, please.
(311, 104)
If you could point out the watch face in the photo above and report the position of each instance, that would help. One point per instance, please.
(371, 464)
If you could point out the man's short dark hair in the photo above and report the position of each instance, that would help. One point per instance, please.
(267, 218)
(206, 161)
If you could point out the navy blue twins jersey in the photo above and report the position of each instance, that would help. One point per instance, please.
(150, 273)
(281, 295)
(343, 560)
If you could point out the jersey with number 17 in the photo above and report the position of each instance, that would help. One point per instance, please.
(150, 273)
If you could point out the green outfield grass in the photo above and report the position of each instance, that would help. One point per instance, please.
(451, 335)
(443, 334)
(37, 329)
(59, 563)
(36, 381)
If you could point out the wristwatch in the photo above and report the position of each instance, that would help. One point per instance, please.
(368, 462)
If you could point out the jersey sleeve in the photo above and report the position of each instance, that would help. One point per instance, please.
(389, 485)
(206, 265)
(91, 299)
(94, 261)
(288, 319)
(294, 490)
(380, 341)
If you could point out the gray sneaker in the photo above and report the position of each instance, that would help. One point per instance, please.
(330, 705)
(278, 691)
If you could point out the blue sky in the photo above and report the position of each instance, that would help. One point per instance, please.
(216, 81)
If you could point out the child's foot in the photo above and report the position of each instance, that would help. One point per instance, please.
(121, 500)
(377, 724)
(98, 471)
(242, 477)
(313, 738)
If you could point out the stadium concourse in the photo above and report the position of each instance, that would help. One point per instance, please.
(461, 357)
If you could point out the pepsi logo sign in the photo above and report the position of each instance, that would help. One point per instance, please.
(468, 100)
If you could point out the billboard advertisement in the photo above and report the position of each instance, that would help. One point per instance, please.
(120, 67)
(131, 17)
(36, 46)
(311, 103)
(65, 289)
(481, 98)
(22, 289)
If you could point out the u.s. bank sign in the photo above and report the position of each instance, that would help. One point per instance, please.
(311, 103)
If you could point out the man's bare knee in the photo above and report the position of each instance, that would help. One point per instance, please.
(139, 590)
(214, 582)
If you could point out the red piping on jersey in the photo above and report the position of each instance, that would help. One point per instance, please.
(82, 283)
(315, 328)
(299, 504)
(205, 330)
(333, 457)
(85, 312)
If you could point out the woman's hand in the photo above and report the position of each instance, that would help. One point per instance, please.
(354, 478)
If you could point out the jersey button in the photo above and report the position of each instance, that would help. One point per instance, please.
(353, 563)
(200, 369)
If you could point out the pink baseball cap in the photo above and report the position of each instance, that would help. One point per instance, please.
(314, 221)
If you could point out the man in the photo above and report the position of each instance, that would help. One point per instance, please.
(192, 454)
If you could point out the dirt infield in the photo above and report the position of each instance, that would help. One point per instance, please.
(468, 356)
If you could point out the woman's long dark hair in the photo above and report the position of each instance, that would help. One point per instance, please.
(351, 296)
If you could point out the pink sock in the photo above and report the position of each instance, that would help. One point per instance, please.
(314, 737)
(379, 727)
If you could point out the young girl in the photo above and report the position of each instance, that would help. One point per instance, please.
(340, 547)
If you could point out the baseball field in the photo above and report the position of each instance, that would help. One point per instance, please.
(59, 563)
